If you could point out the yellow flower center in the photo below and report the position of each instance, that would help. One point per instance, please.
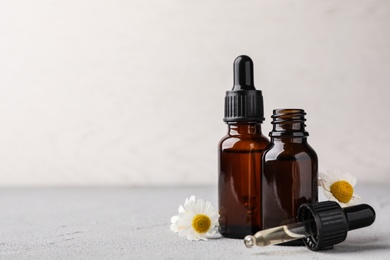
(201, 223)
(342, 191)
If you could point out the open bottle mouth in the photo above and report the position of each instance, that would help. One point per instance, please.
(288, 114)
(288, 122)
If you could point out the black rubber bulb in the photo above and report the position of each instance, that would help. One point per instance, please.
(243, 73)
(243, 103)
(359, 216)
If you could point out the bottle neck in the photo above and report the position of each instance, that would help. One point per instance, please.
(288, 123)
(288, 139)
(244, 129)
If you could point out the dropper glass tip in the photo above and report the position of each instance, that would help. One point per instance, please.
(249, 241)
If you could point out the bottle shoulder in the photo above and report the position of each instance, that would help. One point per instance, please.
(258, 142)
(290, 152)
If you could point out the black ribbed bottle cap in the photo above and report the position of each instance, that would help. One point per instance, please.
(330, 225)
(243, 102)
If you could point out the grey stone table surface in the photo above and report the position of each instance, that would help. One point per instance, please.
(133, 223)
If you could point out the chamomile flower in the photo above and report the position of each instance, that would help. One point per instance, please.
(339, 187)
(197, 220)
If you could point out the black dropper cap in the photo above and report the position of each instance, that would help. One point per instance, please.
(243, 103)
(332, 223)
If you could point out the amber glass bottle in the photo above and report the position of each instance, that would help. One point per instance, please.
(240, 153)
(290, 169)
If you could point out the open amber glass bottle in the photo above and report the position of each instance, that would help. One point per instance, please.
(290, 169)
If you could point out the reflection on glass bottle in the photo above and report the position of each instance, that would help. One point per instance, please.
(240, 180)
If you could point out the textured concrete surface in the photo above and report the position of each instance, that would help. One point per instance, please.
(133, 223)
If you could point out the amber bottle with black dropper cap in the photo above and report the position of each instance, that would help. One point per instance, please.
(290, 170)
(240, 152)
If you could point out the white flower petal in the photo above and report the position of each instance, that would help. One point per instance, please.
(343, 205)
(189, 200)
(200, 206)
(325, 181)
(185, 231)
(181, 209)
(356, 196)
(324, 177)
(214, 235)
(192, 236)
(325, 185)
(203, 238)
(355, 200)
(185, 205)
(352, 180)
(328, 177)
(327, 194)
(214, 216)
(191, 207)
(208, 208)
(182, 223)
(174, 227)
(348, 178)
(186, 216)
(174, 219)
(212, 231)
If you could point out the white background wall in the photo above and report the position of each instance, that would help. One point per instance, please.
(131, 92)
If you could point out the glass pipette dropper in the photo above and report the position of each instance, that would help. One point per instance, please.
(322, 225)
(278, 235)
